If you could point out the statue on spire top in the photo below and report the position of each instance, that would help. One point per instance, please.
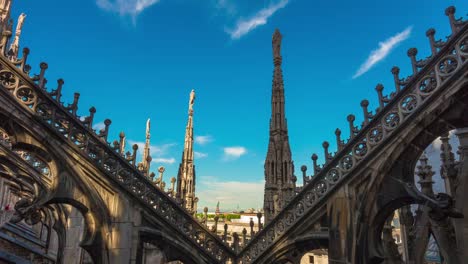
(277, 44)
(191, 101)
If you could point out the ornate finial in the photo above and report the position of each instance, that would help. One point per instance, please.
(430, 34)
(352, 129)
(412, 52)
(42, 81)
(325, 146)
(88, 121)
(191, 102)
(73, 108)
(122, 143)
(425, 173)
(379, 88)
(364, 105)
(135, 149)
(251, 224)
(339, 142)
(58, 91)
(24, 60)
(161, 171)
(225, 232)
(450, 12)
(314, 162)
(277, 37)
(396, 78)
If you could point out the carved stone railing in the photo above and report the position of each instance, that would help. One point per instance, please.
(32, 94)
(447, 59)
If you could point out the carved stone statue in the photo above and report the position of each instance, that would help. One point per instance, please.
(191, 101)
(277, 44)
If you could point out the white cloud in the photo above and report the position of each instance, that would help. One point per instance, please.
(202, 140)
(244, 26)
(155, 150)
(384, 49)
(231, 153)
(200, 155)
(99, 126)
(126, 7)
(437, 143)
(226, 5)
(230, 194)
(164, 160)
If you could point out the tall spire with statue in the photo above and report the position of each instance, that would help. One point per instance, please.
(280, 182)
(5, 6)
(146, 150)
(14, 47)
(186, 174)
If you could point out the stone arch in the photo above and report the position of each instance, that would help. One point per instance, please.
(173, 248)
(387, 192)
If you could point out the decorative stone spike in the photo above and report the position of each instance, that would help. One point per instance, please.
(251, 224)
(58, 92)
(235, 244)
(161, 171)
(205, 215)
(215, 227)
(430, 34)
(244, 236)
(396, 78)
(225, 232)
(173, 181)
(425, 173)
(339, 142)
(352, 129)
(43, 67)
(304, 174)
(259, 218)
(314, 161)
(88, 121)
(105, 132)
(450, 12)
(24, 59)
(364, 105)
(163, 186)
(379, 88)
(412, 52)
(73, 108)
(448, 167)
(135, 149)
(122, 143)
(325, 146)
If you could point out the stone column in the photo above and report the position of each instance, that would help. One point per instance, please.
(461, 195)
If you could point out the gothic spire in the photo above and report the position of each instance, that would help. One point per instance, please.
(425, 173)
(5, 6)
(146, 152)
(279, 167)
(14, 47)
(186, 174)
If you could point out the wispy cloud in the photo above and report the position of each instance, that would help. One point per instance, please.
(226, 5)
(202, 140)
(126, 7)
(232, 153)
(99, 126)
(244, 26)
(200, 155)
(383, 51)
(159, 153)
(230, 194)
(164, 160)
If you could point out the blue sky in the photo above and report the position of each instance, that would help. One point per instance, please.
(139, 59)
